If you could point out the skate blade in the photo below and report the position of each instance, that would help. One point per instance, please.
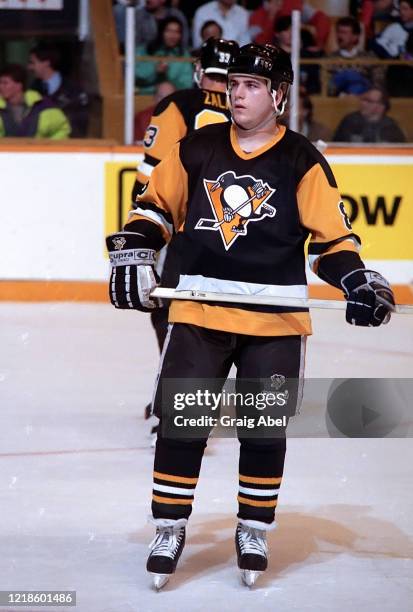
(159, 580)
(249, 577)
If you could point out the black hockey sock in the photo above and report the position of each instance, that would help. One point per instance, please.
(176, 471)
(261, 467)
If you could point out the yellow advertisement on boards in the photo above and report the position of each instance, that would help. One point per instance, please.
(378, 199)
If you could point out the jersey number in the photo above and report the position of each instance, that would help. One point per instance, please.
(150, 136)
(344, 215)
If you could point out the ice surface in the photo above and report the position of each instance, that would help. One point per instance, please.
(75, 477)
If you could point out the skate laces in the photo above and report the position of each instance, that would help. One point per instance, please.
(252, 540)
(166, 541)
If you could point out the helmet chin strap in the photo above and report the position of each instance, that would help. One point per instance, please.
(197, 76)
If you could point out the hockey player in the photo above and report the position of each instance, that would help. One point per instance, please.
(267, 258)
(175, 116)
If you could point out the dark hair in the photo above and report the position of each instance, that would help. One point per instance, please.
(409, 2)
(211, 22)
(158, 42)
(384, 95)
(16, 72)
(349, 22)
(282, 24)
(46, 52)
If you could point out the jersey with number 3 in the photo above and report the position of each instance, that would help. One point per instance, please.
(174, 117)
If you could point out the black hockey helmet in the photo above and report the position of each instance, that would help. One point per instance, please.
(216, 54)
(267, 61)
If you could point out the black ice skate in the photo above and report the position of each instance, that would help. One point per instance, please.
(252, 551)
(166, 548)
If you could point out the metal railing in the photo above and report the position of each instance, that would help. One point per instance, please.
(326, 64)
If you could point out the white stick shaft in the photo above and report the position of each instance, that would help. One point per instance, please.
(265, 300)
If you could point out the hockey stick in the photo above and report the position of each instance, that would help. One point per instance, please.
(213, 225)
(265, 300)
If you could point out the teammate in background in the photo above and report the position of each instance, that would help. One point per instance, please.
(175, 116)
(244, 197)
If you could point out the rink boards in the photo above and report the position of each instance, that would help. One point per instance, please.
(58, 203)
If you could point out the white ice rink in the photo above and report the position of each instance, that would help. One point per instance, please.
(75, 477)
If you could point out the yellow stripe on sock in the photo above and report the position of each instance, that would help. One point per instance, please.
(172, 500)
(258, 504)
(171, 478)
(259, 480)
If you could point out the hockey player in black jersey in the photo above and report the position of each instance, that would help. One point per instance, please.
(264, 342)
(174, 117)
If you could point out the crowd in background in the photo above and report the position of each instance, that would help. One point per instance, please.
(372, 30)
(40, 100)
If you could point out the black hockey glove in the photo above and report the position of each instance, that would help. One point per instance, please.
(370, 300)
(133, 277)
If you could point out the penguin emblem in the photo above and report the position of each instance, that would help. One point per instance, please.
(235, 201)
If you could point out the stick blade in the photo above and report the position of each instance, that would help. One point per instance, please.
(207, 224)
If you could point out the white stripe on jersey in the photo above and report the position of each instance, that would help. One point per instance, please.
(146, 168)
(154, 216)
(196, 282)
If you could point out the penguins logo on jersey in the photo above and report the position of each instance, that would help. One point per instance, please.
(235, 201)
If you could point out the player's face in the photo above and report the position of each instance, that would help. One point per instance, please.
(250, 100)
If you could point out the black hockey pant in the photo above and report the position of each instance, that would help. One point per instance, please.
(192, 352)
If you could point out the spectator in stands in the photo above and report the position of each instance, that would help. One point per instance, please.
(391, 43)
(24, 113)
(313, 130)
(282, 34)
(399, 79)
(147, 21)
(143, 118)
(168, 43)
(44, 63)
(352, 78)
(374, 12)
(317, 22)
(370, 123)
(262, 21)
(211, 29)
(232, 18)
(309, 74)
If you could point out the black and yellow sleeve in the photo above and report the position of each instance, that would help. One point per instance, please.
(161, 208)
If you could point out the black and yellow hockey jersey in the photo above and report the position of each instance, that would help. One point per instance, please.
(174, 117)
(244, 219)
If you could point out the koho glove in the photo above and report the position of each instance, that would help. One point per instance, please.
(370, 300)
(133, 277)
